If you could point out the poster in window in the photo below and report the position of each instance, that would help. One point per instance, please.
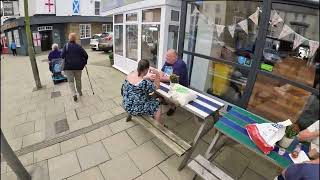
(16, 38)
(8, 8)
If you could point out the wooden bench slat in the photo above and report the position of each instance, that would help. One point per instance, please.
(212, 168)
(186, 146)
(162, 137)
(201, 171)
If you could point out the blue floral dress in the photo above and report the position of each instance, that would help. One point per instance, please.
(136, 98)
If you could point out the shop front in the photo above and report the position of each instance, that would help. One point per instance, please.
(259, 55)
(144, 31)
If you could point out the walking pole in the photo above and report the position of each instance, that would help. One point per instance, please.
(13, 160)
(89, 80)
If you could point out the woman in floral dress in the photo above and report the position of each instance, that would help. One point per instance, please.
(137, 91)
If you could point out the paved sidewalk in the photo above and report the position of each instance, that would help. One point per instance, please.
(94, 140)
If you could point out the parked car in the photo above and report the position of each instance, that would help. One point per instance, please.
(94, 41)
(106, 43)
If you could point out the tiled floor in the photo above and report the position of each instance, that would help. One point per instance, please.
(117, 151)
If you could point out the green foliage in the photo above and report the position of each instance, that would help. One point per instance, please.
(291, 131)
(174, 78)
(111, 56)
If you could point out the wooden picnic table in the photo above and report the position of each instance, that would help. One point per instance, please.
(203, 108)
(232, 125)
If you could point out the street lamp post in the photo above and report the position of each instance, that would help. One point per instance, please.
(30, 47)
(12, 160)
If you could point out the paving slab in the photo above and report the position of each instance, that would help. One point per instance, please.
(139, 134)
(98, 134)
(90, 174)
(166, 149)
(250, 174)
(101, 116)
(24, 129)
(170, 168)
(121, 168)
(118, 144)
(86, 111)
(92, 155)
(63, 166)
(121, 125)
(47, 153)
(81, 123)
(118, 110)
(39, 171)
(72, 144)
(27, 159)
(154, 174)
(147, 156)
(15, 144)
(33, 138)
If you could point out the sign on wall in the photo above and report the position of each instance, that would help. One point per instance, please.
(45, 28)
(76, 7)
(8, 8)
(16, 38)
(36, 39)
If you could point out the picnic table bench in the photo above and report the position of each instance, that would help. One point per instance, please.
(232, 125)
(203, 109)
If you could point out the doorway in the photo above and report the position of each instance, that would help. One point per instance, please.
(46, 40)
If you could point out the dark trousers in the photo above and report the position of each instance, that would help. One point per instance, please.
(14, 52)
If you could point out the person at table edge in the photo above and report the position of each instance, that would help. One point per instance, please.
(174, 65)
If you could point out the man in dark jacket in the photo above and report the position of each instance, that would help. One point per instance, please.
(75, 59)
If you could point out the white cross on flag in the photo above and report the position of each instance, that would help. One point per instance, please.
(286, 30)
(36, 39)
(313, 47)
(255, 17)
(231, 29)
(298, 39)
(244, 25)
(220, 29)
(275, 18)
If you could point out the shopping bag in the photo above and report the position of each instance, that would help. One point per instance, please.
(265, 135)
(181, 95)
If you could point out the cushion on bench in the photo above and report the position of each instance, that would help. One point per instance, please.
(207, 170)
(177, 144)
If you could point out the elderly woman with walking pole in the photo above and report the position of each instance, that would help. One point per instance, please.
(75, 59)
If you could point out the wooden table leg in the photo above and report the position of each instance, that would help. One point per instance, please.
(215, 139)
(193, 145)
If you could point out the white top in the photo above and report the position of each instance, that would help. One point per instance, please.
(315, 142)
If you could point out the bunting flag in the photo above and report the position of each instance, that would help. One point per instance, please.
(195, 12)
(275, 18)
(286, 30)
(313, 45)
(244, 25)
(255, 17)
(231, 29)
(298, 39)
(220, 29)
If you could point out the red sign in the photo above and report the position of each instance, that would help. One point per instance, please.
(36, 39)
(49, 4)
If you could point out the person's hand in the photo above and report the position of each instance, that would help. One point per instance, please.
(150, 77)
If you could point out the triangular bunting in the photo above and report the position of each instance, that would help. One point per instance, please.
(255, 17)
(275, 18)
(244, 25)
(195, 12)
(232, 29)
(286, 30)
(220, 29)
(298, 39)
(313, 47)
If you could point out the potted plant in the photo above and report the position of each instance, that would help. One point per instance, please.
(290, 133)
(111, 58)
(174, 79)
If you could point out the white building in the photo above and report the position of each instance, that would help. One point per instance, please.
(142, 30)
(52, 21)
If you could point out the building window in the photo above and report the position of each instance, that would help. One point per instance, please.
(97, 7)
(106, 27)
(118, 18)
(118, 39)
(217, 20)
(131, 17)
(132, 42)
(236, 19)
(175, 16)
(218, 8)
(85, 31)
(150, 43)
(173, 37)
(151, 15)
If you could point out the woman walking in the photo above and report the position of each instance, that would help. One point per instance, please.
(75, 59)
